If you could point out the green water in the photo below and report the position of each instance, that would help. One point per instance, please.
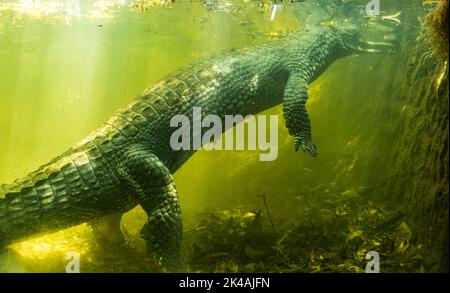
(67, 66)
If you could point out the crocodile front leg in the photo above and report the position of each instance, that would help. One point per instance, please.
(155, 190)
(297, 118)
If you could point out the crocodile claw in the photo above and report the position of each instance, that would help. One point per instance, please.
(394, 18)
(305, 142)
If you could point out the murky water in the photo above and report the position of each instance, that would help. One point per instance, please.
(67, 66)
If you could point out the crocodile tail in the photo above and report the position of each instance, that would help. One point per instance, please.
(58, 195)
(2, 213)
(32, 205)
(19, 211)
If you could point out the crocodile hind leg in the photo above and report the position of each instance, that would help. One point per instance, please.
(296, 116)
(156, 193)
(163, 230)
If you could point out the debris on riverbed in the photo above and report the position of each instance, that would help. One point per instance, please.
(333, 235)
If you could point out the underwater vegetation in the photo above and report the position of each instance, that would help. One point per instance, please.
(332, 235)
(437, 22)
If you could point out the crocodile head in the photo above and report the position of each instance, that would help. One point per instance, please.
(366, 35)
(359, 29)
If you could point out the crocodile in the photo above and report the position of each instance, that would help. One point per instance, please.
(128, 161)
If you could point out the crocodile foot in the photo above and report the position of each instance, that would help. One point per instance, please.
(305, 142)
(169, 257)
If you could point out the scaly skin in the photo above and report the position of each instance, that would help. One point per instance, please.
(129, 161)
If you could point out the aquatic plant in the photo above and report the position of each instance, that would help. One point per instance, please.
(437, 22)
